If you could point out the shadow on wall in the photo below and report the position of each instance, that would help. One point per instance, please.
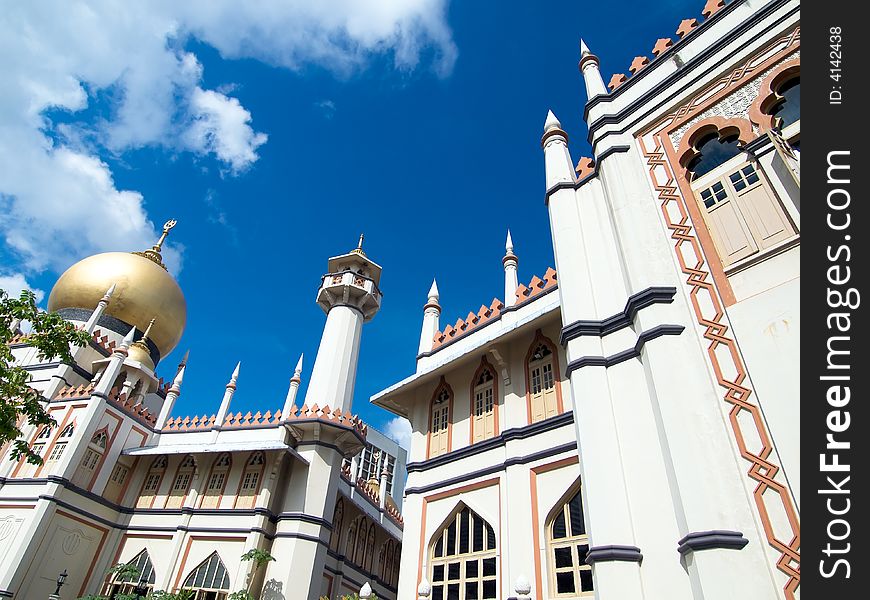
(272, 590)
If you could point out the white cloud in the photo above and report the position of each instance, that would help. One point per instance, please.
(58, 194)
(14, 283)
(399, 429)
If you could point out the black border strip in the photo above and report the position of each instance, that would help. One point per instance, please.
(576, 185)
(613, 553)
(515, 433)
(373, 578)
(519, 460)
(642, 299)
(615, 359)
(707, 540)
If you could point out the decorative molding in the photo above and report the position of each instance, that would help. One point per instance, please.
(640, 300)
(707, 540)
(613, 553)
(498, 468)
(585, 174)
(514, 433)
(615, 359)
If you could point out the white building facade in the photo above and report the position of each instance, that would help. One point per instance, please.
(626, 426)
(183, 498)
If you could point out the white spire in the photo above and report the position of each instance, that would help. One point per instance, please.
(99, 310)
(591, 75)
(365, 591)
(228, 396)
(552, 122)
(431, 316)
(510, 262)
(106, 378)
(171, 396)
(290, 400)
(128, 339)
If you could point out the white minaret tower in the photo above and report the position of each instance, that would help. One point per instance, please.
(171, 396)
(349, 296)
(228, 396)
(557, 157)
(101, 308)
(431, 316)
(510, 262)
(591, 75)
(294, 388)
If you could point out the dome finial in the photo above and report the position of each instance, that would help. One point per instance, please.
(358, 249)
(153, 254)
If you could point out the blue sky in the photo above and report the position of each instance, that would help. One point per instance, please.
(274, 148)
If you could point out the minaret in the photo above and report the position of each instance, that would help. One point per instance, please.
(171, 396)
(431, 315)
(510, 262)
(101, 308)
(591, 75)
(228, 396)
(113, 366)
(349, 296)
(294, 388)
(557, 158)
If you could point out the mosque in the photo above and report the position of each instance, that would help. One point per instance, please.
(624, 425)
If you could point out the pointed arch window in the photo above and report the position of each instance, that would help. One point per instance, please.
(217, 481)
(152, 483)
(350, 543)
(544, 396)
(68, 431)
(251, 479)
(386, 561)
(369, 557)
(439, 420)
(181, 484)
(359, 552)
(463, 559)
(210, 580)
(484, 415)
(337, 520)
(568, 545)
(126, 584)
(91, 460)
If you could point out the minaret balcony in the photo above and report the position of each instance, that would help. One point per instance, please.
(351, 289)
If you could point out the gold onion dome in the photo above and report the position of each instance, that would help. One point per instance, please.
(144, 291)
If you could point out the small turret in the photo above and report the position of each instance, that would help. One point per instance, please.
(591, 75)
(431, 316)
(510, 263)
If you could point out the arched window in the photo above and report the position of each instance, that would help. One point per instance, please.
(126, 584)
(152, 483)
(337, 520)
(350, 543)
(738, 206)
(91, 460)
(397, 555)
(359, 552)
(370, 550)
(39, 443)
(568, 544)
(484, 423)
(217, 481)
(439, 420)
(209, 580)
(543, 395)
(68, 431)
(115, 485)
(181, 483)
(251, 479)
(386, 560)
(463, 559)
(788, 107)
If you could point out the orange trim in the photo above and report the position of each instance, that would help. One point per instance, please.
(245, 470)
(442, 384)
(767, 97)
(557, 374)
(103, 533)
(447, 494)
(533, 490)
(190, 540)
(159, 483)
(175, 477)
(54, 438)
(719, 125)
(484, 366)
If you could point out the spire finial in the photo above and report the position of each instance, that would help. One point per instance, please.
(552, 122)
(297, 372)
(433, 291)
(153, 254)
(128, 339)
(109, 292)
(509, 243)
(584, 49)
(184, 358)
(358, 249)
(148, 330)
(166, 228)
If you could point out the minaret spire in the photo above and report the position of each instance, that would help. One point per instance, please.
(510, 262)
(99, 310)
(294, 389)
(113, 368)
(591, 75)
(558, 165)
(431, 316)
(228, 396)
(171, 396)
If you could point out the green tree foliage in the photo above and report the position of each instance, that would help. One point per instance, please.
(52, 337)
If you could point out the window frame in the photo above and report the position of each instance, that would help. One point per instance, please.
(463, 559)
(442, 386)
(529, 364)
(492, 384)
(571, 541)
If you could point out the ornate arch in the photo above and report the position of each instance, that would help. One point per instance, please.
(337, 521)
(722, 127)
(485, 366)
(767, 95)
(210, 574)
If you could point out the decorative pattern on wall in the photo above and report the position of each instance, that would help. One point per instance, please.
(745, 417)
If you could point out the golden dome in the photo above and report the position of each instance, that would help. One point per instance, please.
(144, 291)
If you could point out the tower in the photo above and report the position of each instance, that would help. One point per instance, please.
(431, 316)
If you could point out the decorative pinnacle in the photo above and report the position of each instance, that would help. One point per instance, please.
(127, 341)
(433, 291)
(509, 243)
(176, 383)
(183, 362)
(153, 254)
(108, 295)
(358, 249)
(584, 49)
(297, 372)
(235, 376)
(552, 122)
